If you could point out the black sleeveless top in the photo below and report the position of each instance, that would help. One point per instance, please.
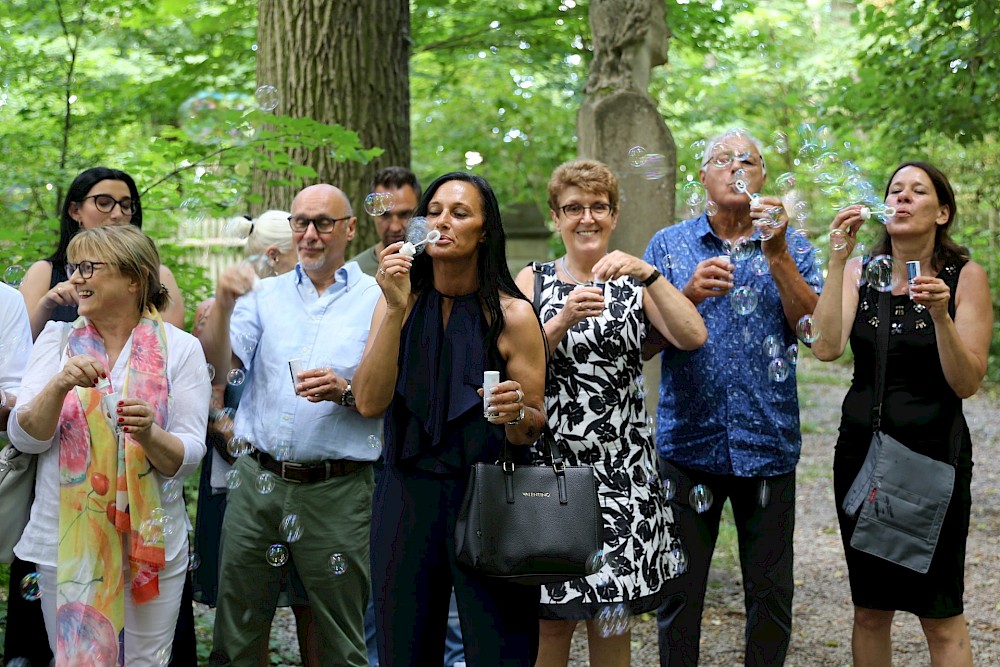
(919, 406)
(435, 422)
(60, 313)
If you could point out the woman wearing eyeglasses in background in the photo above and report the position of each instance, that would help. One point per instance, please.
(597, 309)
(97, 197)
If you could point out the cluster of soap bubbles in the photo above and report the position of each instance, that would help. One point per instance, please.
(653, 166)
(159, 524)
(13, 275)
(780, 360)
(379, 203)
(277, 554)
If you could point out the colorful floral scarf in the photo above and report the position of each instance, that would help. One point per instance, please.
(108, 498)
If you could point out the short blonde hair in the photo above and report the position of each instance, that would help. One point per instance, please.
(131, 251)
(588, 175)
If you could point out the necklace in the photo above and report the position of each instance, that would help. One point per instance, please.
(569, 273)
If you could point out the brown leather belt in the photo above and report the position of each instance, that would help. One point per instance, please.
(304, 473)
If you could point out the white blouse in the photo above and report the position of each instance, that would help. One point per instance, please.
(187, 419)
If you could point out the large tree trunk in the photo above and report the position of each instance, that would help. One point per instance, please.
(344, 62)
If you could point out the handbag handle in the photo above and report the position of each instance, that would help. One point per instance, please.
(883, 316)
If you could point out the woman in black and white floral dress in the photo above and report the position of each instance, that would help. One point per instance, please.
(597, 308)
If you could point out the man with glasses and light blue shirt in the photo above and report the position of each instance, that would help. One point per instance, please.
(303, 492)
(727, 422)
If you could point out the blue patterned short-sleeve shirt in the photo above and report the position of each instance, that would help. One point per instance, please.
(720, 411)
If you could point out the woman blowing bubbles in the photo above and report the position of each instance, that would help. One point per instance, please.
(443, 319)
(940, 328)
(107, 530)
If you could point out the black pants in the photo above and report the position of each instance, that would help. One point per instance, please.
(26, 638)
(414, 569)
(765, 544)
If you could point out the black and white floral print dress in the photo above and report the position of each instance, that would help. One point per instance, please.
(595, 406)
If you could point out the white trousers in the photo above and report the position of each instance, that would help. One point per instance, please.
(149, 627)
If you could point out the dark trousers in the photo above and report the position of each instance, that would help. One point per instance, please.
(25, 635)
(765, 545)
(414, 569)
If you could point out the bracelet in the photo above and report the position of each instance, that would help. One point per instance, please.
(520, 416)
(652, 278)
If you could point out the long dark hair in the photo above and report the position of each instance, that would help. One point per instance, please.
(78, 189)
(491, 261)
(946, 251)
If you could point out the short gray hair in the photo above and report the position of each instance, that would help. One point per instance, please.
(734, 132)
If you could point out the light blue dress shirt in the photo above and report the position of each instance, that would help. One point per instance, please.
(284, 318)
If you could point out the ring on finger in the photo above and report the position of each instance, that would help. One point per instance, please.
(381, 272)
(520, 396)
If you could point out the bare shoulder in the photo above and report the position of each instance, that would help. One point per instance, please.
(517, 311)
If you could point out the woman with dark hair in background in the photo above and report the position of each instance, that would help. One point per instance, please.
(940, 327)
(97, 197)
(444, 318)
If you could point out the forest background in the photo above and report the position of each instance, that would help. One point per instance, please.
(226, 107)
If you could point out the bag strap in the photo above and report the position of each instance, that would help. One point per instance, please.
(882, 312)
(536, 297)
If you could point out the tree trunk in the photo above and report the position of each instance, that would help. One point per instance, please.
(344, 62)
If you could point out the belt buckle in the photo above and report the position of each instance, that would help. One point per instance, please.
(290, 465)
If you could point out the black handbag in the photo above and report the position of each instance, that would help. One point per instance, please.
(530, 524)
(902, 495)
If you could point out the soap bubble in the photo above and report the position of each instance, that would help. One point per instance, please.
(596, 561)
(267, 97)
(238, 446)
(785, 182)
(282, 449)
(799, 242)
(276, 555)
(700, 498)
(694, 195)
(778, 369)
(698, 149)
(654, 167)
(236, 377)
(264, 483)
(210, 370)
(680, 559)
(792, 354)
(879, 273)
(669, 488)
(613, 620)
(806, 330)
(764, 493)
(374, 442)
(291, 528)
(162, 656)
(337, 564)
(14, 275)
(711, 208)
(637, 156)
(233, 480)
(194, 561)
(30, 588)
(780, 142)
(742, 249)
(212, 117)
(838, 239)
(773, 346)
(171, 490)
(759, 265)
(744, 300)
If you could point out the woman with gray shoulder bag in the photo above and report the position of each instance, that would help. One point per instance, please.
(918, 315)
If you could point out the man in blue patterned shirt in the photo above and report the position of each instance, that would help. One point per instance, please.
(728, 417)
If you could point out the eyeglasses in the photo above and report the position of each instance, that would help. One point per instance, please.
(106, 204)
(323, 224)
(86, 268)
(726, 158)
(598, 211)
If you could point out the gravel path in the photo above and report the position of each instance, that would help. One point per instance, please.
(822, 611)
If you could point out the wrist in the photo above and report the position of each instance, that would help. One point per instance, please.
(653, 276)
